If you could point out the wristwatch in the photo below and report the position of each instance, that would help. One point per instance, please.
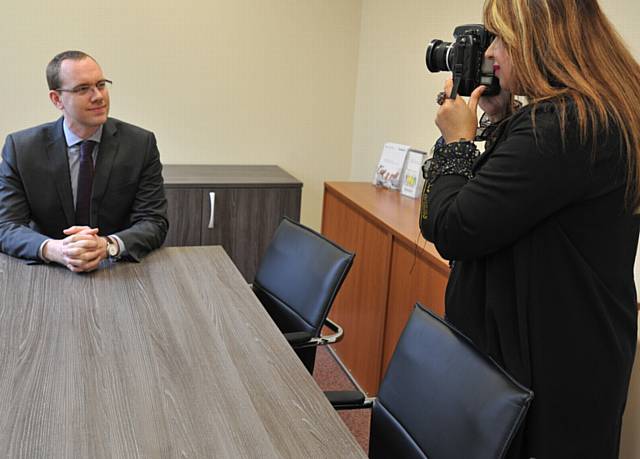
(112, 248)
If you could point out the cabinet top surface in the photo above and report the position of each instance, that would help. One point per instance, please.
(396, 212)
(204, 175)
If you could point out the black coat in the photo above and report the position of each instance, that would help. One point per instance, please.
(543, 277)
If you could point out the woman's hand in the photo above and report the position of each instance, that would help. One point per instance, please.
(496, 107)
(456, 119)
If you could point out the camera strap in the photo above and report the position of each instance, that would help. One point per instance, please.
(456, 84)
(458, 67)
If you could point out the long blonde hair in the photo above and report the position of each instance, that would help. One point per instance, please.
(567, 50)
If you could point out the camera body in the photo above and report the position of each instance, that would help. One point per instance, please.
(464, 57)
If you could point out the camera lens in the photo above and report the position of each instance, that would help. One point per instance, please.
(438, 56)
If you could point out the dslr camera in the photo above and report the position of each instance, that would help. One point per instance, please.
(465, 59)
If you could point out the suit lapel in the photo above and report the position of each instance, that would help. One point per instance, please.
(59, 165)
(106, 155)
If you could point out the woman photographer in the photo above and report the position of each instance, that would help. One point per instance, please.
(541, 227)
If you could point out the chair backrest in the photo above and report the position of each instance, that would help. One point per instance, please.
(299, 277)
(442, 398)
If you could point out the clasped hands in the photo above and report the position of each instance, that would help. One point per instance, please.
(81, 251)
(458, 120)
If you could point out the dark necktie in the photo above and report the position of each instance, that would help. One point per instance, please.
(85, 182)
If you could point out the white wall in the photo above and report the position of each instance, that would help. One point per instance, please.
(218, 81)
(395, 96)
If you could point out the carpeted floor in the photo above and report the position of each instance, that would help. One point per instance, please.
(330, 376)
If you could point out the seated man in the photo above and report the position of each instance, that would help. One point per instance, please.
(85, 187)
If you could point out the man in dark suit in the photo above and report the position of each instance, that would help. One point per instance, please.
(85, 187)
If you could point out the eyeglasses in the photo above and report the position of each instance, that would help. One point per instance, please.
(84, 89)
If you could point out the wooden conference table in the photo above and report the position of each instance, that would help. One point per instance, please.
(172, 357)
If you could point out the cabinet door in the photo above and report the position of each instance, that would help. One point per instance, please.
(245, 220)
(360, 306)
(185, 216)
(413, 278)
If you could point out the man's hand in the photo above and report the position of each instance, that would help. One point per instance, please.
(81, 251)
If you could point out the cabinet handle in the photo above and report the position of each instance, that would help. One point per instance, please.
(212, 201)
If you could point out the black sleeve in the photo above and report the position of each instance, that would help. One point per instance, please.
(527, 176)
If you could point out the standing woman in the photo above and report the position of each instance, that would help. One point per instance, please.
(542, 226)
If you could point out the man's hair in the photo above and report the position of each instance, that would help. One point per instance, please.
(53, 68)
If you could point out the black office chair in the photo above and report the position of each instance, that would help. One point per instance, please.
(297, 281)
(439, 402)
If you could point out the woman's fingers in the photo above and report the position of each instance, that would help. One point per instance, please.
(474, 98)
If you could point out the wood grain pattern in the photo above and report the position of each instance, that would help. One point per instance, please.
(245, 220)
(184, 210)
(172, 357)
(396, 213)
(413, 279)
(394, 267)
(220, 175)
(250, 202)
(360, 307)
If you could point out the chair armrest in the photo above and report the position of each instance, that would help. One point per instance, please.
(320, 340)
(296, 339)
(338, 332)
(348, 400)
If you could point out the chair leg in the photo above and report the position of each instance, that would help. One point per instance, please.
(308, 357)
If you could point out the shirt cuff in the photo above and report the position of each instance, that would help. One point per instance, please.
(122, 249)
(41, 251)
(455, 158)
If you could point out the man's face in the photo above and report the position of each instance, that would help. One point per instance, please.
(83, 110)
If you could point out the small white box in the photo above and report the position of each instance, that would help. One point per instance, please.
(412, 179)
(389, 171)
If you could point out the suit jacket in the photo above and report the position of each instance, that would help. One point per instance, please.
(36, 200)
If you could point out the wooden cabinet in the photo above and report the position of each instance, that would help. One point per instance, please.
(248, 203)
(393, 269)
